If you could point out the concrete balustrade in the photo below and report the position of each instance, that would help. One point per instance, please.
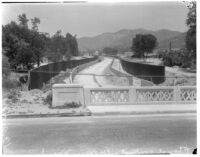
(123, 95)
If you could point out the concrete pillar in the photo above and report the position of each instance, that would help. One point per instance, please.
(67, 93)
(177, 94)
(132, 95)
(87, 96)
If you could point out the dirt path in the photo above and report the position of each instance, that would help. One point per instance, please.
(86, 77)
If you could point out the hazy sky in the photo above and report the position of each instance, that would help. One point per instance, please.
(93, 19)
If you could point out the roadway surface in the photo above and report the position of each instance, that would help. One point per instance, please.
(144, 134)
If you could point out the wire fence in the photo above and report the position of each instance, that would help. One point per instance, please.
(63, 77)
(68, 71)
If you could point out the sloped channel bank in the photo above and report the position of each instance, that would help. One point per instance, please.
(43, 74)
(147, 71)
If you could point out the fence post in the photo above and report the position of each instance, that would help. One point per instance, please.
(51, 78)
(70, 77)
(29, 78)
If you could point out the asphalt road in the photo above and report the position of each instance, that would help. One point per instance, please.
(102, 135)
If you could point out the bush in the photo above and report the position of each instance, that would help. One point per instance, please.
(48, 99)
(23, 79)
(180, 58)
(72, 105)
(68, 105)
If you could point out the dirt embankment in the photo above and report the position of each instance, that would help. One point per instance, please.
(20, 101)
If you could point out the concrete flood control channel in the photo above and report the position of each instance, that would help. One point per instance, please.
(93, 76)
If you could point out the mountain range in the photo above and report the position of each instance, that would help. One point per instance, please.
(122, 39)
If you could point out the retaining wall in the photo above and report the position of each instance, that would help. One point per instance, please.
(154, 73)
(130, 77)
(43, 74)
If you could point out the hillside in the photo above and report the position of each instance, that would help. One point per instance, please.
(176, 42)
(123, 39)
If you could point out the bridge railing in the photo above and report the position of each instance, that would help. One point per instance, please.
(124, 95)
(140, 95)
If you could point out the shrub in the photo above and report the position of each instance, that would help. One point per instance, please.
(180, 58)
(69, 105)
(72, 105)
(23, 79)
(48, 99)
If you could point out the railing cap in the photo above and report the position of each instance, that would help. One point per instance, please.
(67, 86)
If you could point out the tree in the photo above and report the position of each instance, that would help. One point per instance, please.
(57, 45)
(11, 42)
(25, 47)
(110, 51)
(143, 43)
(25, 56)
(38, 46)
(15, 46)
(16, 39)
(35, 21)
(63, 46)
(23, 20)
(75, 51)
(72, 45)
(190, 39)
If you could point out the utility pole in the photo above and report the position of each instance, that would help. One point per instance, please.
(170, 46)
